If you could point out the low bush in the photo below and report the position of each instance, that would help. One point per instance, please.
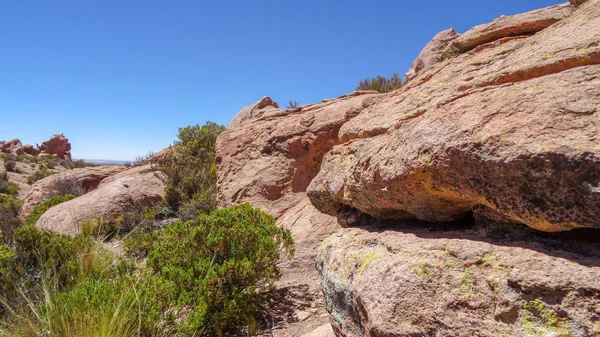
(219, 267)
(9, 188)
(9, 211)
(381, 84)
(41, 173)
(45, 205)
(63, 185)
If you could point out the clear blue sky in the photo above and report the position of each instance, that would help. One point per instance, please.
(119, 77)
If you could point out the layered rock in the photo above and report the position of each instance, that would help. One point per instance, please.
(125, 192)
(516, 25)
(269, 159)
(88, 178)
(58, 146)
(455, 284)
(509, 131)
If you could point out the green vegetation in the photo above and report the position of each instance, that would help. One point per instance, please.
(449, 52)
(425, 269)
(10, 163)
(380, 83)
(9, 211)
(204, 277)
(45, 205)
(191, 171)
(41, 173)
(7, 187)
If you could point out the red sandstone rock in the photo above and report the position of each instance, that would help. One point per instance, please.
(58, 146)
(508, 130)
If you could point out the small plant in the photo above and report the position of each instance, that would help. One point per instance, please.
(45, 205)
(143, 160)
(292, 104)
(9, 211)
(381, 84)
(9, 188)
(449, 52)
(10, 163)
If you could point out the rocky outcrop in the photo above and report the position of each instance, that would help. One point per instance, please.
(269, 160)
(516, 25)
(13, 146)
(58, 146)
(264, 106)
(500, 129)
(126, 192)
(88, 178)
(455, 284)
(509, 131)
(431, 54)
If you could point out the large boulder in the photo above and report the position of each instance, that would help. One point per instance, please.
(58, 146)
(88, 178)
(130, 190)
(508, 131)
(269, 160)
(457, 284)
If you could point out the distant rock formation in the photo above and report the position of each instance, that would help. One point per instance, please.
(58, 146)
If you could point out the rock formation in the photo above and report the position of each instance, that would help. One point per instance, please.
(496, 126)
(58, 146)
(88, 177)
(124, 192)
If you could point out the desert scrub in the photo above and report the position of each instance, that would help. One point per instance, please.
(8, 188)
(45, 205)
(41, 173)
(64, 185)
(219, 266)
(190, 170)
(9, 211)
(292, 104)
(380, 83)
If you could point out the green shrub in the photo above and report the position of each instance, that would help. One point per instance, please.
(449, 52)
(94, 308)
(9, 211)
(380, 83)
(45, 205)
(9, 188)
(220, 266)
(41, 173)
(190, 170)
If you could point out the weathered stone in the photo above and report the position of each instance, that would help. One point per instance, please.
(58, 146)
(509, 131)
(456, 284)
(268, 161)
(126, 193)
(88, 177)
(508, 26)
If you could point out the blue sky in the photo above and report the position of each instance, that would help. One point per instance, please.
(119, 77)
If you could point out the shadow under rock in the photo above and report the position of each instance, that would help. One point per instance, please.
(581, 246)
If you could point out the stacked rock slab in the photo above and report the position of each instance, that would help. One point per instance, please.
(508, 131)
